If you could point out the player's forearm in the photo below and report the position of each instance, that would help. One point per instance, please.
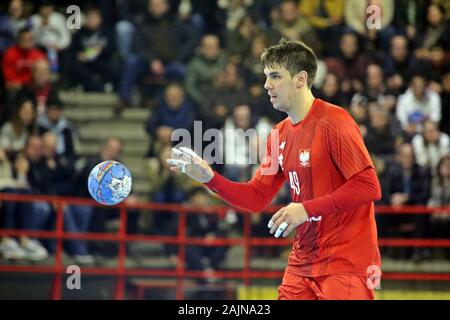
(252, 196)
(360, 189)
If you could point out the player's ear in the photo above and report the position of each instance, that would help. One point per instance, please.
(301, 79)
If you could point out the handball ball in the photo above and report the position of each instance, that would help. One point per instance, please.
(109, 182)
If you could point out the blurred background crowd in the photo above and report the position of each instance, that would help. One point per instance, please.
(187, 60)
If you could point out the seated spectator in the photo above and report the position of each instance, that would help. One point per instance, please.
(437, 66)
(360, 113)
(164, 46)
(203, 15)
(327, 18)
(417, 104)
(397, 64)
(430, 145)
(50, 32)
(39, 174)
(208, 227)
(294, 26)
(111, 149)
(166, 187)
(384, 133)
(129, 15)
(228, 91)
(409, 180)
(331, 91)
(18, 215)
(174, 111)
(14, 133)
(39, 178)
(93, 63)
(253, 69)
(17, 63)
(410, 17)
(204, 68)
(382, 168)
(67, 134)
(409, 185)
(62, 167)
(436, 33)
(241, 144)
(356, 18)
(445, 102)
(375, 90)
(239, 41)
(231, 13)
(350, 65)
(77, 218)
(440, 197)
(10, 23)
(40, 89)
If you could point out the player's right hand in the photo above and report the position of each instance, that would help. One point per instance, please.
(188, 162)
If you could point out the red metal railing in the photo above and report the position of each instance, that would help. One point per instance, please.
(180, 272)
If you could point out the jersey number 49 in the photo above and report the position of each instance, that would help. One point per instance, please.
(295, 184)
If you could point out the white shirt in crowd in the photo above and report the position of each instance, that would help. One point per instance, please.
(408, 104)
(55, 33)
(429, 154)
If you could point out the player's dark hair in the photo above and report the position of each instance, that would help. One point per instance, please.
(294, 56)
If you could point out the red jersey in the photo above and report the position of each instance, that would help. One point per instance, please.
(17, 64)
(317, 156)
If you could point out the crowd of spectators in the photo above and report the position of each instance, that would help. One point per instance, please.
(200, 60)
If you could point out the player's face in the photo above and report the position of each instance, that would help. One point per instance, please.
(280, 87)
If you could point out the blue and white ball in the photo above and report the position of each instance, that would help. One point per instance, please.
(109, 182)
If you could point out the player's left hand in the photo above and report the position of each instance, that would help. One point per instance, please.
(287, 219)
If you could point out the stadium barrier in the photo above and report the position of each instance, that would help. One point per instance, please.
(180, 274)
